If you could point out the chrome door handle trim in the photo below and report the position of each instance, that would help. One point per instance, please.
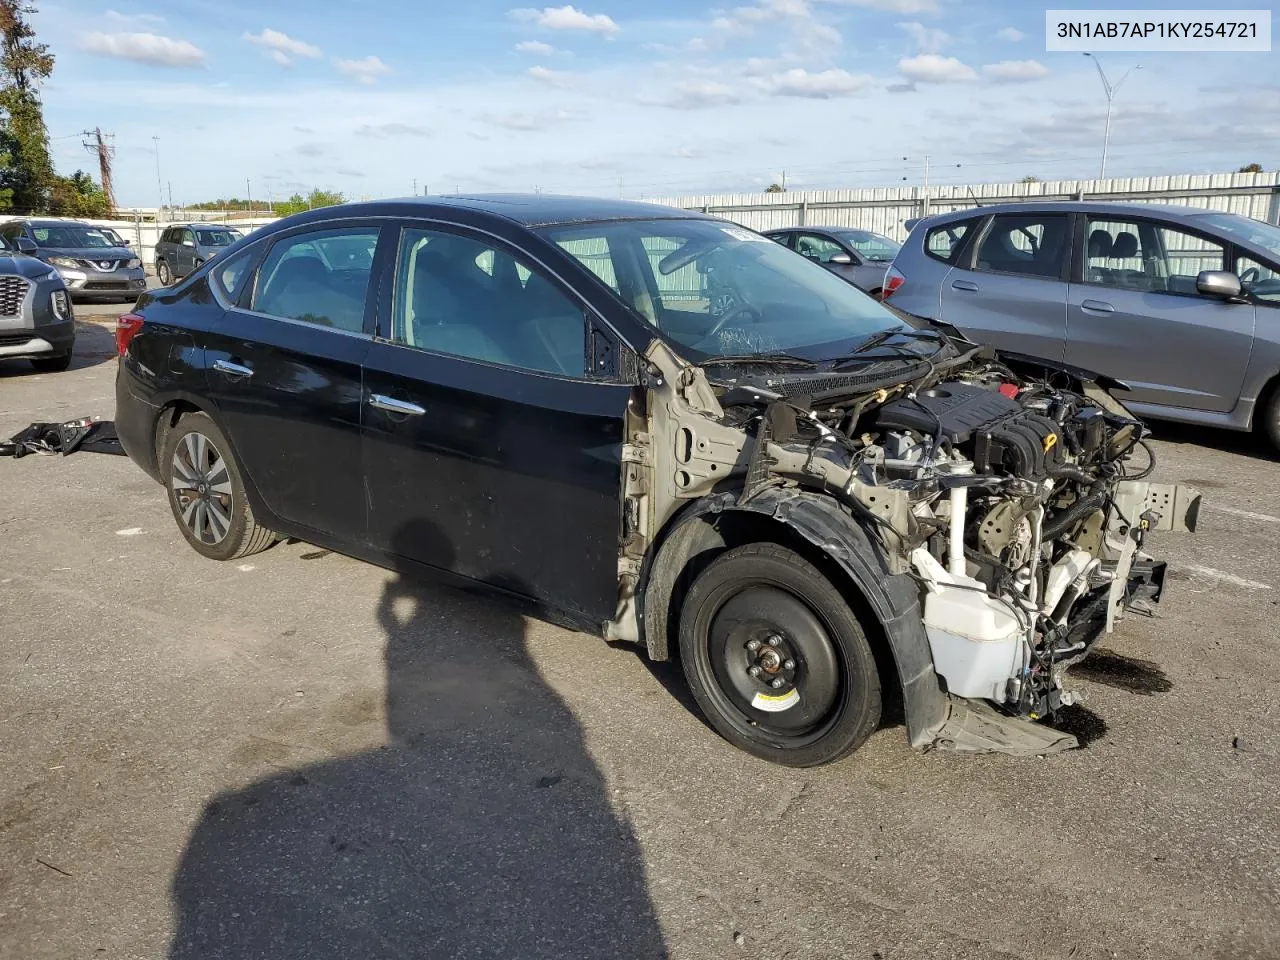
(233, 369)
(1097, 306)
(968, 285)
(392, 405)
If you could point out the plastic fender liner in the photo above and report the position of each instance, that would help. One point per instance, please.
(894, 600)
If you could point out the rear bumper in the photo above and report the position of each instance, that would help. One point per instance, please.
(136, 425)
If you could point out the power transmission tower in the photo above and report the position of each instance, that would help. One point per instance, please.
(98, 144)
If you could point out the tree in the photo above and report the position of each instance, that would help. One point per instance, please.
(776, 188)
(24, 63)
(317, 198)
(1250, 168)
(1029, 178)
(78, 196)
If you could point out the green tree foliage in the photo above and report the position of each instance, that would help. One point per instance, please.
(316, 198)
(1250, 168)
(1030, 178)
(78, 196)
(24, 63)
(775, 188)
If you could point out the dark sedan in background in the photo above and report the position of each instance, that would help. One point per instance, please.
(860, 256)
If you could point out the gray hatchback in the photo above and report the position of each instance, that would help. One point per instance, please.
(1181, 304)
(185, 246)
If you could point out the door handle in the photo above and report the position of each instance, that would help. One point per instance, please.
(1097, 306)
(392, 405)
(968, 285)
(232, 369)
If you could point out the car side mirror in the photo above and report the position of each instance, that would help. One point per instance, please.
(1219, 283)
(27, 245)
(841, 260)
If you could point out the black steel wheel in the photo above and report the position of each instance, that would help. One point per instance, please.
(776, 659)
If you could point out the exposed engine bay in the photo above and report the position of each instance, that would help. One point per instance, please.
(1017, 498)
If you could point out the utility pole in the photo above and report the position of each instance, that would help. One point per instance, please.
(926, 184)
(1111, 89)
(97, 145)
(784, 181)
(248, 196)
(415, 186)
(170, 185)
(159, 181)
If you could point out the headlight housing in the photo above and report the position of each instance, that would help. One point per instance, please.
(61, 304)
(134, 264)
(62, 262)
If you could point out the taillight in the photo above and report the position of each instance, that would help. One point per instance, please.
(127, 327)
(893, 279)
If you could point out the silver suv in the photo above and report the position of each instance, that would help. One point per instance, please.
(36, 320)
(1181, 304)
(185, 246)
(91, 260)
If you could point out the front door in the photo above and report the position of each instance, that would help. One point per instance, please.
(1133, 313)
(1011, 292)
(284, 371)
(490, 452)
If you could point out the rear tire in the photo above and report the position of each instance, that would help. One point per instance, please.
(58, 364)
(776, 658)
(206, 492)
(163, 273)
(1271, 418)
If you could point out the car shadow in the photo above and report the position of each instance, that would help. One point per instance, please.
(1246, 444)
(482, 828)
(95, 344)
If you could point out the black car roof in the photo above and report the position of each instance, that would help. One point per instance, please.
(527, 209)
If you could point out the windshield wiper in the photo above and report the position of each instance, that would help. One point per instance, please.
(769, 359)
(876, 339)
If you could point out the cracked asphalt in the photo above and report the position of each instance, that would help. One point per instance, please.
(299, 755)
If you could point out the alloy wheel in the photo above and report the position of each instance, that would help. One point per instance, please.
(202, 486)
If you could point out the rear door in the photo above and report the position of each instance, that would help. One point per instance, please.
(1134, 313)
(490, 450)
(284, 371)
(186, 251)
(1011, 289)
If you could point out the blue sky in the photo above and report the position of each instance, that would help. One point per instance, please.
(608, 97)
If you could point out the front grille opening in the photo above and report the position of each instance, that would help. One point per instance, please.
(13, 291)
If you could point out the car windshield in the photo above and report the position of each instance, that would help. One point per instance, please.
(1235, 227)
(216, 238)
(871, 246)
(71, 235)
(719, 290)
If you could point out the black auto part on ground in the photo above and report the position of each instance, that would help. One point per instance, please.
(86, 433)
(969, 507)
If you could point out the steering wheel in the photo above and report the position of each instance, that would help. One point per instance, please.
(1250, 275)
(745, 310)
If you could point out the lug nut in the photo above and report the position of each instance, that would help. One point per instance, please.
(777, 684)
(753, 645)
(789, 665)
(755, 671)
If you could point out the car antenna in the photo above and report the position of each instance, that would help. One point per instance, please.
(976, 201)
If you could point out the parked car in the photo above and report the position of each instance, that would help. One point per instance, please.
(183, 247)
(659, 427)
(89, 259)
(1182, 304)
(36, 318)
(859, 256)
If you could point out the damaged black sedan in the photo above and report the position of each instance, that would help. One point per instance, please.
(664, 429)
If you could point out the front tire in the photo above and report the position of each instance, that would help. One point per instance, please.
(206, 492)
(163, 273)
(1271, 418)
(58, 364)
(776, 659)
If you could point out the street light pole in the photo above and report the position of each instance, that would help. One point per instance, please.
(159, 181)
(1111, 91)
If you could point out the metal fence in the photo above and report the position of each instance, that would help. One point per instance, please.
(884, 209)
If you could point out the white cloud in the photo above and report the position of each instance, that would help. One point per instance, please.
(536, 48)
(698, 94)
(393, 129)
(364, 71)
(1012, 34)
(809, 37)
(525, 122)
(908, 7)
(927, 39)
(567, 17)
(1015, 71)
(552, 78)
(133, 19)
(148, 48)
(348, 172)
(819, 86)
(283, 48)
(931, 68)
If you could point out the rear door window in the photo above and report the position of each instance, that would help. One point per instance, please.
(945, 242)
(321, 277)
(1029, 245)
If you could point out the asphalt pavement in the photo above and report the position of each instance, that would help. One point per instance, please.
(299, 756)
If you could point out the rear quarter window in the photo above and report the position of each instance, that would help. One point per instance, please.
(945, 242)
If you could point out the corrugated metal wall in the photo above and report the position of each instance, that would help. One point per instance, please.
(883, 209)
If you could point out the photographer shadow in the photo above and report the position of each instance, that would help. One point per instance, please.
(481, 829)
